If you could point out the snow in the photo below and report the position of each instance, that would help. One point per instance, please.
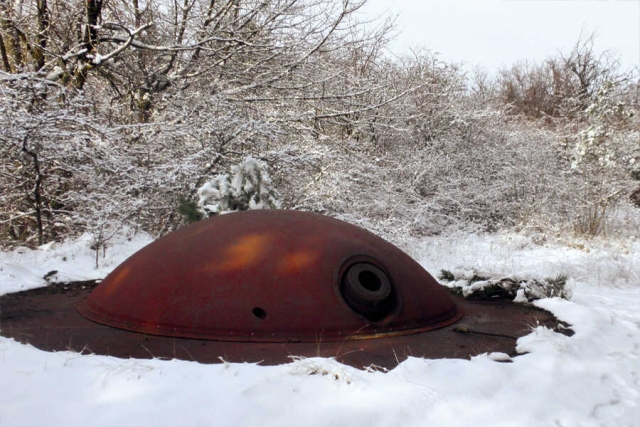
(589, 379)
(250, 187)
(74, 260)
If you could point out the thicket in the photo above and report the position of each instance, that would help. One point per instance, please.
(150, 114)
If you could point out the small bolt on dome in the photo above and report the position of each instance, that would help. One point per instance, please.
(369, 291)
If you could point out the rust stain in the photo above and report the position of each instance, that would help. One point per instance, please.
(117, 280)
(296, 262)
(248, 251)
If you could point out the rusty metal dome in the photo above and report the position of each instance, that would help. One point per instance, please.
(271, 276)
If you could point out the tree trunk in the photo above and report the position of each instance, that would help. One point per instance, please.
(36, 190)
(12, 37)
(42, 35)
(94, 13)
(5, 58)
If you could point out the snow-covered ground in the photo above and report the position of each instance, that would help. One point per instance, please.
(589, 379)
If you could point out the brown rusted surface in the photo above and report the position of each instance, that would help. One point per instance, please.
(271, 276)
(46, 318)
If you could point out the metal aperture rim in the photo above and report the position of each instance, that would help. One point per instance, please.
(381, 328)
(367, 259)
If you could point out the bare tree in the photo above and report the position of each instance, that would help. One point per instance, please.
(561, 86)
(130, 105)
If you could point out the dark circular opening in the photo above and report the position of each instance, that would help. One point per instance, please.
(259, 313)
(369, 280)
(368, 291)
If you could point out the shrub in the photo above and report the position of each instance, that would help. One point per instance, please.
(250, 187)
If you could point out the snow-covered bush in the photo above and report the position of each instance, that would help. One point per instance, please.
(599, 161)
(215, 196)
(601, 142)
(250, 187)
(478, 286)
(148, 137)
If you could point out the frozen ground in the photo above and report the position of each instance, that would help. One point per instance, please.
(590, 379)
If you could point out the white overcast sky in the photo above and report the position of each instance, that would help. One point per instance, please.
(496, 33)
